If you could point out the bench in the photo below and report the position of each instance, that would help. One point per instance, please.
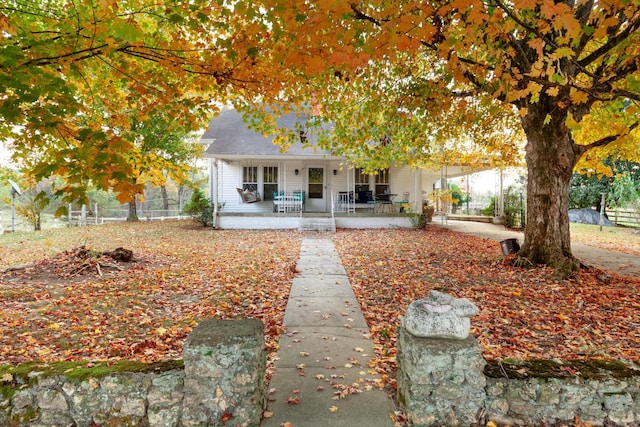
(288, 201)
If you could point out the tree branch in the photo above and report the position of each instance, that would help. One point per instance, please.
(581, 149)
(610, 44)
(582, 16)
(524, 25)
(358, 14)
(82, 54)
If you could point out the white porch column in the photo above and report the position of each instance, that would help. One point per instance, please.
(417, 190)
(500, 201)
(213, 188)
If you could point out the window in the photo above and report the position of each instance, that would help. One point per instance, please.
(371, 184)
(260, 179)
(250, 178)
(382, 181)
(361, 181)
(269, 181)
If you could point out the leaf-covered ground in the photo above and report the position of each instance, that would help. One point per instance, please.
(524, 313)
(142, 310)
(181, 274)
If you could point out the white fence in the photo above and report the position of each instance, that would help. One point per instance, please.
(85, 217)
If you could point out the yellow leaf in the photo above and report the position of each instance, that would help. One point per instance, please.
(552, 91)
(578, 97)
(333, 409)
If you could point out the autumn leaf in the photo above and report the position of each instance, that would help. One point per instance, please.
(292, 400)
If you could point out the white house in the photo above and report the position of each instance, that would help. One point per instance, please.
(259, 186)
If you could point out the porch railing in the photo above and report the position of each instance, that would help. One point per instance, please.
(344, 202)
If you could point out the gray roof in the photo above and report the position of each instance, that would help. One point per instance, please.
(230, 137)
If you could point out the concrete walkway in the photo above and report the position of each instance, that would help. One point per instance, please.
(617, 262)
(322, 377)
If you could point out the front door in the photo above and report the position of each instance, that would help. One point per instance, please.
(316, 194)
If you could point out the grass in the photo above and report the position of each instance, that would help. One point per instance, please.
(621, 239)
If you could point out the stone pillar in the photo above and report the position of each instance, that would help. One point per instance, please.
(440, 366)
(224, 367)
(440, 380)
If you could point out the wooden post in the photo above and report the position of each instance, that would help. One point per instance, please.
(602, 210)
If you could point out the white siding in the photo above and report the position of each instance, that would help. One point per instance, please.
(229, 179)
(402, 181)
(289, 181)
(341, 181)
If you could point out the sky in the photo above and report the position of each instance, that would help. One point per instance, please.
(4, 156)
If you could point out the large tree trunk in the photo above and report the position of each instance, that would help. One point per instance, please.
(551, 157)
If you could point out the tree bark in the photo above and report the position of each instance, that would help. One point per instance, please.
(181, 189)
(165, 197)
(551, 155)
(133, 213)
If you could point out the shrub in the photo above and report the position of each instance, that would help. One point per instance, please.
(199, 208)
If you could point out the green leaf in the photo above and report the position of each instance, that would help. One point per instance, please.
(253, 52)
(127, 32)
(175, 18)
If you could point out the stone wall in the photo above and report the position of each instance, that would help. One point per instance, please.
(441, 382)
(222, 383)
(445, 382)
(604, 401)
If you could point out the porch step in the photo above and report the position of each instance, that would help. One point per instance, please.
(317, 224)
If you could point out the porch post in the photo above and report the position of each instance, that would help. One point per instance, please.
(417, 190)
(213, 188)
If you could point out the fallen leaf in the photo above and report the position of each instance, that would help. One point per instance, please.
(292, 400)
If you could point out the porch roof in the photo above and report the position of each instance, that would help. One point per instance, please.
(229, 137)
